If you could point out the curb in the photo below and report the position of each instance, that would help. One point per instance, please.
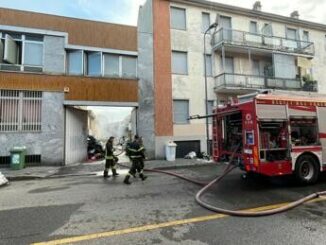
(54, 176)
(4, 185)
(24, 177)
(57, 176)
(68, 175)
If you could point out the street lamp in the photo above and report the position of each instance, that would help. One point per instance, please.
(214, 25)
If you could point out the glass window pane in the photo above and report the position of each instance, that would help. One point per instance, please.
(255, 67)
(1, 50)
(111, 65)
(33, 54)
(11, 50)
(267, 30)
(179, 63)
(181, 111)
(305, 36)
(34, 37)
(253, 27)
(178, 18)
(94, 64)
(75, 62)
(205, 22)
(209, 68)
(291, 34)
(129, 66)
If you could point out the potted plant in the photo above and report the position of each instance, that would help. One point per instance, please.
(309, 84)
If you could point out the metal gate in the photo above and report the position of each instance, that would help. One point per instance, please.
(75, 135)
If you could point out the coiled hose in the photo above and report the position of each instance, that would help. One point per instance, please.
(226, 171)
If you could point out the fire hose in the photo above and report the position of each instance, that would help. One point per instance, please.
(230, 167)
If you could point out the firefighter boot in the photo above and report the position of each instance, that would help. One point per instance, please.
(142, 176)
(126, 181)
(114, 172)
(106, 174)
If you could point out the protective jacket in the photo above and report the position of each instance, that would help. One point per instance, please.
(135, 150)
(109, 151)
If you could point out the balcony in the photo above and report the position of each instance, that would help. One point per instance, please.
(243, 39)
(241, 81)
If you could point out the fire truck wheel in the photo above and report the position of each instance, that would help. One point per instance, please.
(307, 169)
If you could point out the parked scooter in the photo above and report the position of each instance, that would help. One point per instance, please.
(95, 150)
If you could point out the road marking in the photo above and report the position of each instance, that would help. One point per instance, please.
(93, 236)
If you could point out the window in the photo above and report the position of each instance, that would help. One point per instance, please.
(179, 63)
(75, 62)
(114, 65)
(226, 24)
(209, 67)
(292, 34)
(1, 49)
(33, 54)
(20, 111)
(12, 50)
(129, 66)
(180, 111)
(205, 22)
(94, 64)
(21, 52)
(33, 50)
(305, 36)
(178, 18)
(253, 28)
(255, 67)
(111, 65)
(210, 106)
(229, 65)
(267, 30)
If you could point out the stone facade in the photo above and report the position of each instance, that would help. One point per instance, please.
(54, 55)
(49, 143)
(146, 101)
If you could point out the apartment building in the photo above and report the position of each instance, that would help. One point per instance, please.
(51, 65)
(248, 51)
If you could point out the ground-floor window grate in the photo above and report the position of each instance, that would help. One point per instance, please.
(29, 160)
(4, 160)
(32, 159)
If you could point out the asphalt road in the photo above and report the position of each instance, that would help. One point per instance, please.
(52, 209)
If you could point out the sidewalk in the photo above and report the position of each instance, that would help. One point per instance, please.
(90, 168)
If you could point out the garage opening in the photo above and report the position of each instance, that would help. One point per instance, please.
(87, 128)
(184, 147)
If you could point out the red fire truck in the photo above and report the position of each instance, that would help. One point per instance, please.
(274, 134)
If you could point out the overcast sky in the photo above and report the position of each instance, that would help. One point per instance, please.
(125, 11)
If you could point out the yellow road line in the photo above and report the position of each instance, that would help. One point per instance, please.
(158, 226)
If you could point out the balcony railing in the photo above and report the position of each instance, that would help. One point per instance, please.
(246, 39)
(232, 80)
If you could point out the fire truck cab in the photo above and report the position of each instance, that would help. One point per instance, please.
(273, 135)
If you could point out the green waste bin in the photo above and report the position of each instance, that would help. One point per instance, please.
(17, 158)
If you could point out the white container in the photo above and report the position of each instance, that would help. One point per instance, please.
(3, 180)
(170, 151)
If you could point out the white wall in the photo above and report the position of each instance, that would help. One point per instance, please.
(76, 135)
(191, 86)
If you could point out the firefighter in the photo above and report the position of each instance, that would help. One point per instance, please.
(136, 153)
(110, 159)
